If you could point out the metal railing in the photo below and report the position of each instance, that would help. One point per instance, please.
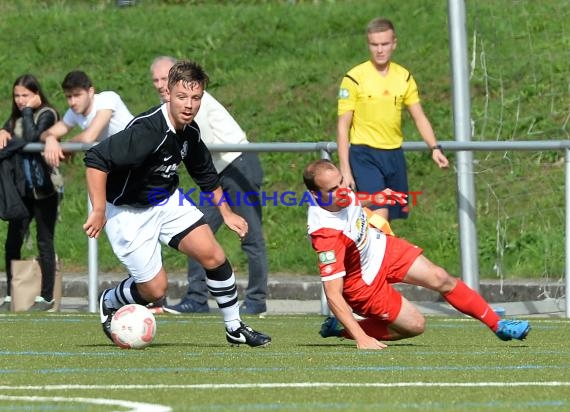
(326, 149)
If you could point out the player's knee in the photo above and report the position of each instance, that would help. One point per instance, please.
(214, 259)
(441, 280)
(208, 262)
(416, 326)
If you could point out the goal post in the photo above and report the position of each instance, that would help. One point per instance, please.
(466, 207)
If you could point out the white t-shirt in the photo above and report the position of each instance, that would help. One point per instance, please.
(102, 101)
(217, 126)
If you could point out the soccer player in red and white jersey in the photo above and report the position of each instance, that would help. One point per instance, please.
(358, 263)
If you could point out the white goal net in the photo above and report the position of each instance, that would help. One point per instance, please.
(520, 89)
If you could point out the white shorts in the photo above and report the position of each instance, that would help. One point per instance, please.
(135, 234)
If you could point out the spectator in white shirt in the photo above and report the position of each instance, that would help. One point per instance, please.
(240, 173)
(99, 115)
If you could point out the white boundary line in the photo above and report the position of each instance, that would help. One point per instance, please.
(290, 385)
(133, 406)
(147, 407)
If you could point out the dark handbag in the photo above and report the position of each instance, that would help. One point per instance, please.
(11, 205)
(37, 175)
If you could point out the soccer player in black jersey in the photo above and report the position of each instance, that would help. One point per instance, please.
(133, 186)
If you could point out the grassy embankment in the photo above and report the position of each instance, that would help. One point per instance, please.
(276, 66)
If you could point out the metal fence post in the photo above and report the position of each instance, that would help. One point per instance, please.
(92, 267)
(466, 202)
(325, 149)
(325, 310)
(567, 228)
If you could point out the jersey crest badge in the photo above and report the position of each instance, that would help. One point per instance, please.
(327, 257)
(343, 93)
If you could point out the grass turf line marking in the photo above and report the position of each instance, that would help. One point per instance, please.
(133, 406)
(46, 371)
(291, 385)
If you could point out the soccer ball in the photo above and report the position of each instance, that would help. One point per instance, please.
(133, 327)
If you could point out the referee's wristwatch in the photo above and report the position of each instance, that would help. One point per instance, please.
(437, 147)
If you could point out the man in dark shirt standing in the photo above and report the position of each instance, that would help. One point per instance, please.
(132, 181)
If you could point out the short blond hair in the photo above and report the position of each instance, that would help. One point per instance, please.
(380, 24)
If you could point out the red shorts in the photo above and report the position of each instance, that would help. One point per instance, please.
(380, 299)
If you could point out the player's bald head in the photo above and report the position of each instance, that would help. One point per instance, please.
(313, 170)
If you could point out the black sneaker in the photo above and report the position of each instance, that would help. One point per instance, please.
(106, 314)
(188, 306)
(245, 334)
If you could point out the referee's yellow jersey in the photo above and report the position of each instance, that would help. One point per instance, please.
(377, 102)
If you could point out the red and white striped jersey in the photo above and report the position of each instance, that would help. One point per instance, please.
(346, 245)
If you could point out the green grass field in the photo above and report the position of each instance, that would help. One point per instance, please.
(63, 362)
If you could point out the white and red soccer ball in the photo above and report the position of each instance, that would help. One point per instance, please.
(133, 327)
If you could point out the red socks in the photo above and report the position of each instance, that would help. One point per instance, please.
(462, 298)
(466, 300)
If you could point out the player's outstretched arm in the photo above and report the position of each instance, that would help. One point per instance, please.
(96, 185)
(343, 312)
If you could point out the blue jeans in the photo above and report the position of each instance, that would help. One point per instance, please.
(243, 175)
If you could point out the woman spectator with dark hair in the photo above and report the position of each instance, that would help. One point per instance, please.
(31, 115)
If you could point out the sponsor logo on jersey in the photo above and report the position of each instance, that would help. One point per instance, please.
(343, 93)
(327, 257)
(361, 225)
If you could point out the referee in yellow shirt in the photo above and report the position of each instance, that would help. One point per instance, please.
(369, 133)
